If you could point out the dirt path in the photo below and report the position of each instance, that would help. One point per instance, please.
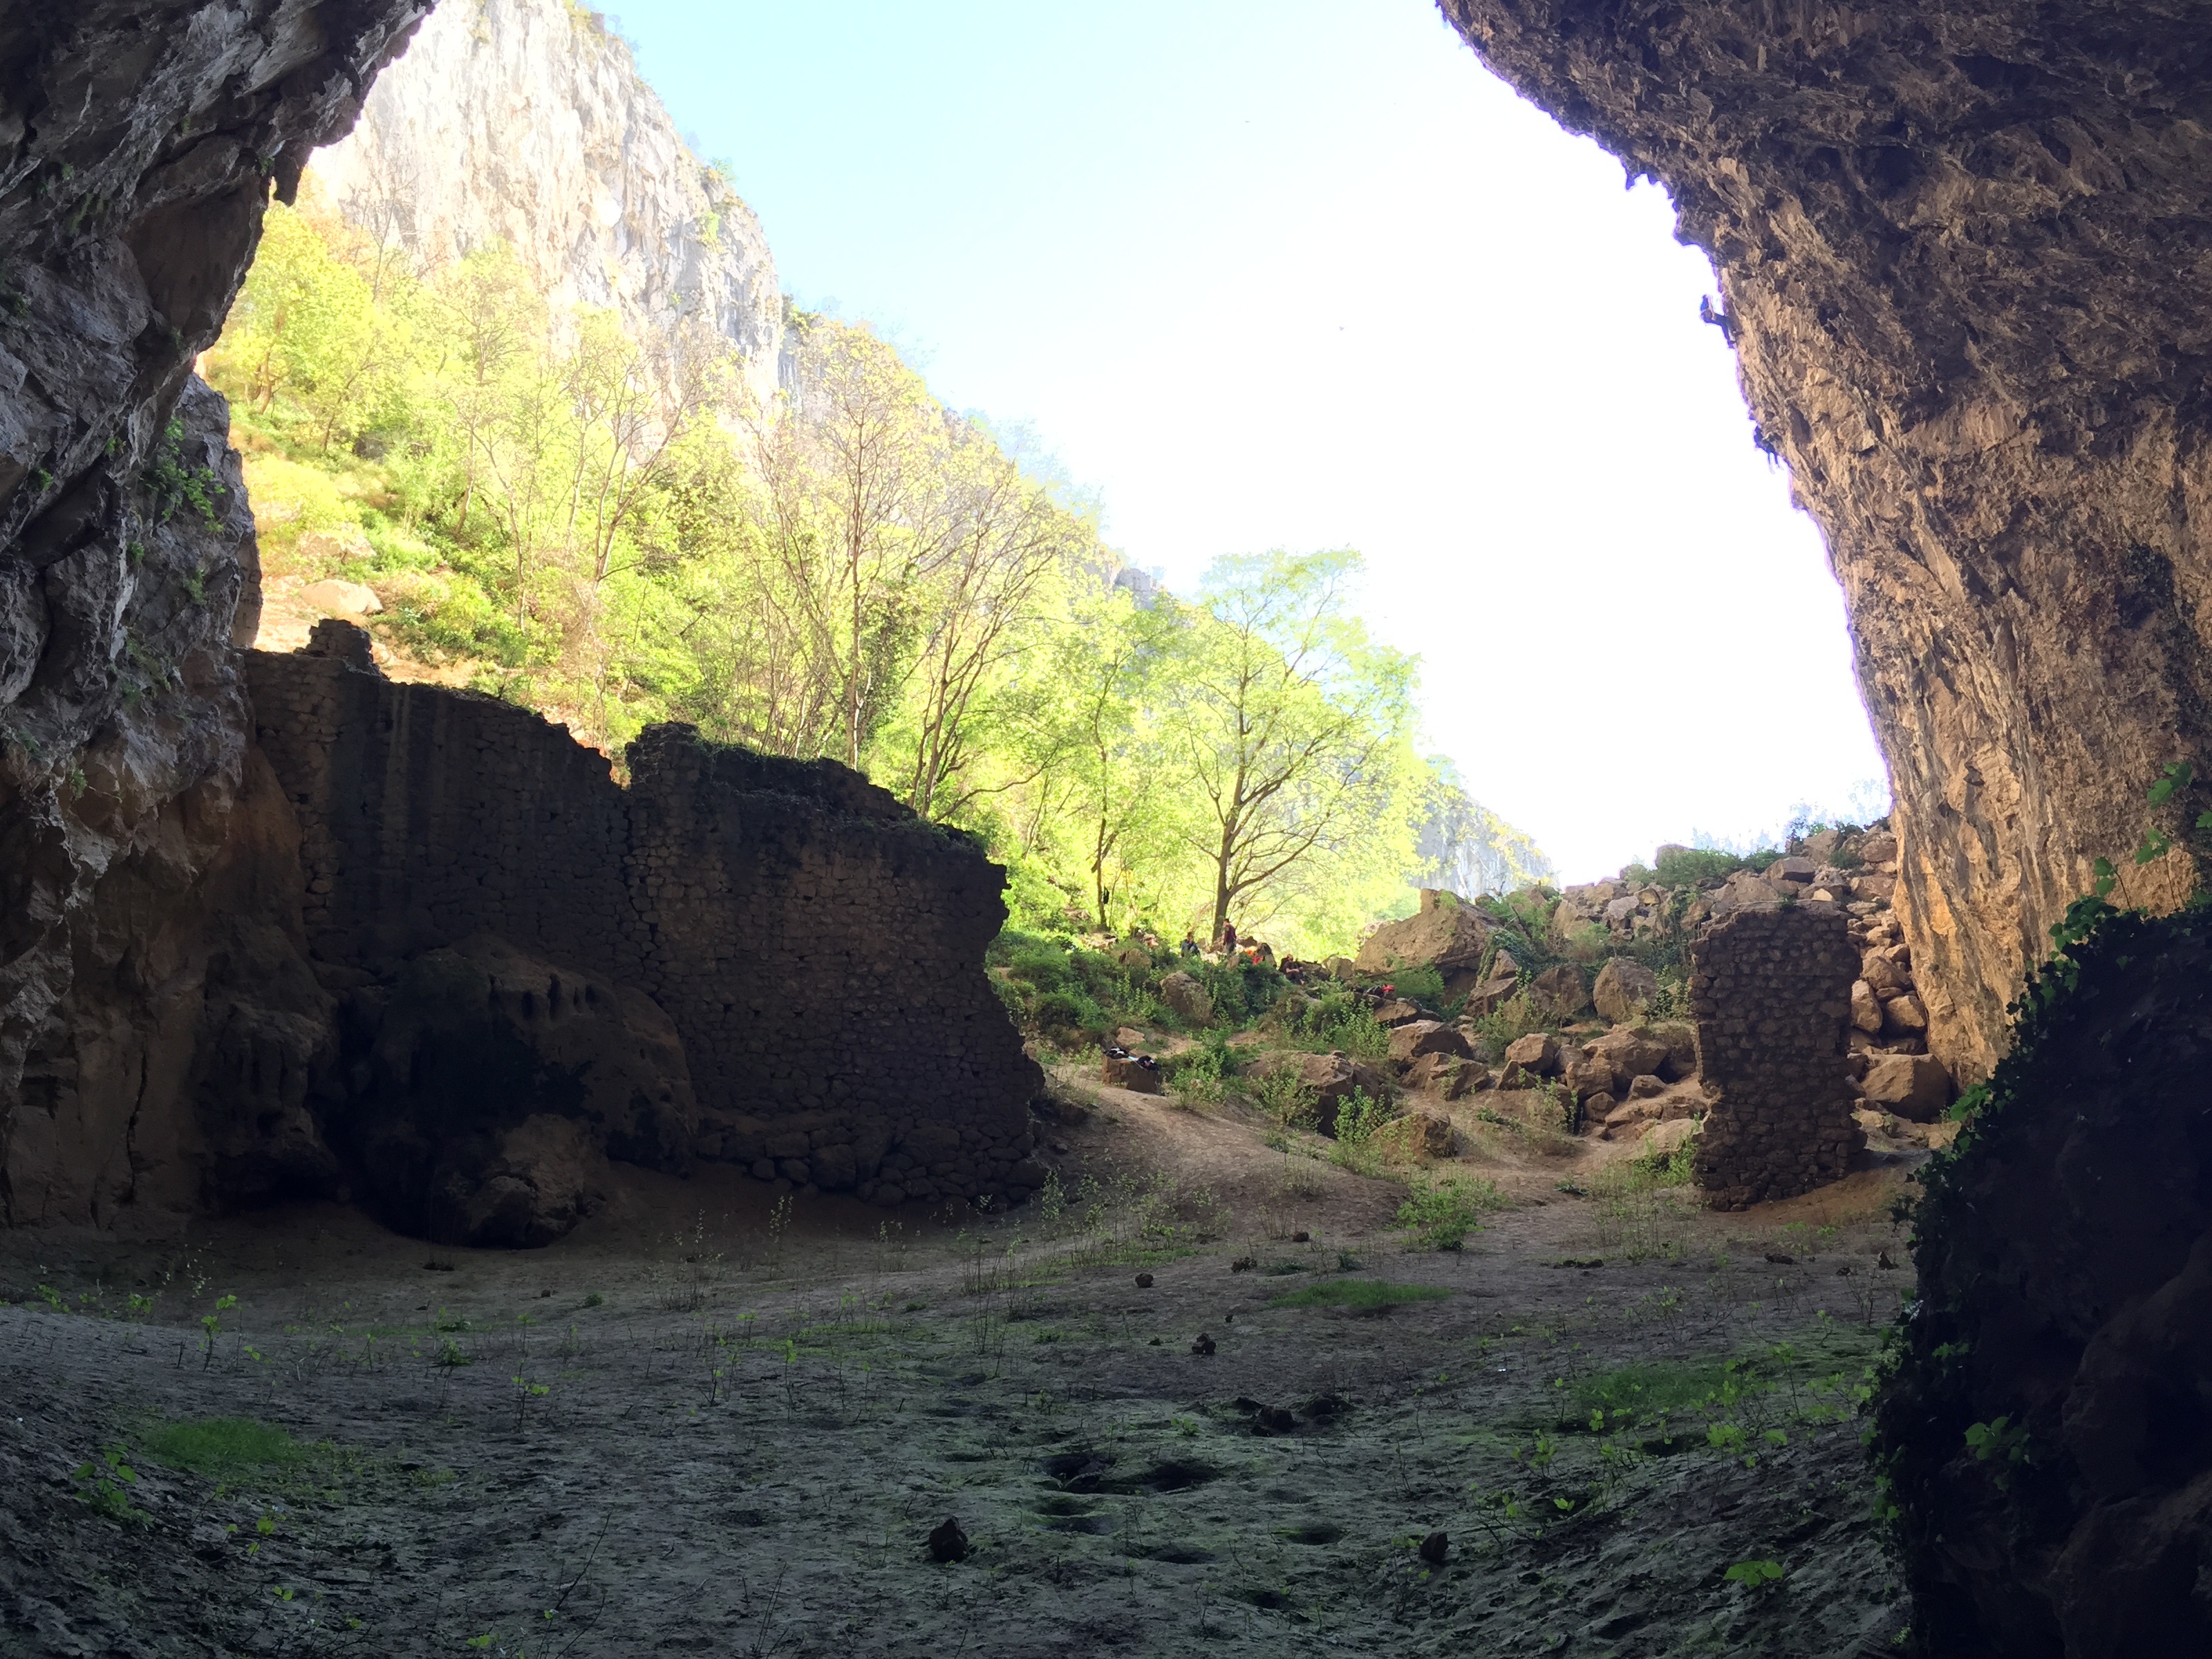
(713, 1422)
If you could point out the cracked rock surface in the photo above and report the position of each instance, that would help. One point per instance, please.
(138, 145)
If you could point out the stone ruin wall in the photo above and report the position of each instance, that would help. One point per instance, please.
(817, 947)
(1771, 991)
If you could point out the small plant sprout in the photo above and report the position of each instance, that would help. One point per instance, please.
(104, 1483)
(1754, 1575)
(524, 1392)
(211, 1327)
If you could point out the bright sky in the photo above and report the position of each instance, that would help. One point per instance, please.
(1300, 274)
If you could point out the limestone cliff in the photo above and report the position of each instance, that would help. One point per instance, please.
(1967, 253)
(138, 143)
(527, 120)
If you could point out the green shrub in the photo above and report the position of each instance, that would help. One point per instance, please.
(1071, 1010)
(1517, 1017)
(1441, 1215)
(1358, 1118)
(1045, 966)
(1647, 1173)
(1424, 985)
(1288, 1099)
(1340, 1020)
(1687, 866)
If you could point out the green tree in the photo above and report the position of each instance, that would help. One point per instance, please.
(1293, 723)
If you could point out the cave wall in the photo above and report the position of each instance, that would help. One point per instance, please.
(2045, 1430)
(138, 143)
(1966, 251)
(816, 944)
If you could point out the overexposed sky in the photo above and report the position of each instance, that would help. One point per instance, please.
(1302, 274)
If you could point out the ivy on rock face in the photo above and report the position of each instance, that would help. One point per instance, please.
(2017, 1428)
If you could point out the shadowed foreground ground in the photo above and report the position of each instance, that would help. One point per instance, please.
(704, 1425)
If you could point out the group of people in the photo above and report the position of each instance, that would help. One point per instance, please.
(1257, 953)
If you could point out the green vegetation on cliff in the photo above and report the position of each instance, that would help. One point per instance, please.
(614, 531)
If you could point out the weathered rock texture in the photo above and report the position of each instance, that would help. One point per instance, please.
(1446, 933)
(1966, 251)
(811, 947)
(1772, 989)
(140, 951)
(2048, 1430)
(527, 120)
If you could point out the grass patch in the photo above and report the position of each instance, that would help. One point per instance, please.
(1442, 1214)
(222, 1448)
(1358, 1295)
(1651, 1388)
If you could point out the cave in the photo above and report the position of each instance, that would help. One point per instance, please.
(1964, 254)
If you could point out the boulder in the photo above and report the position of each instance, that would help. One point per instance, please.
(1537, 1054)
(1883, 976)
(1881, 889)
(1791, 874)
(1646, 1087)
(1188, 998)
(1489, 996)
(1427, 1036)
(1504, 965)
(1624, 991)
(1445, 933)
(340, 598)
(1878, 847)
(1744, 889)
(1587, 1076)
(1436, 1071)
(1903, 1016)
(1629, 1052)
(1396, 1012)
(1866, 1008)
(1667, 1137)
(1560, 992)
(1130, 1073)
(1680, 1040)
(1913, 1086)
(531, 1185)
(1419, 1135)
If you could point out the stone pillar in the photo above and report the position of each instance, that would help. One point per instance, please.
(1773, 991)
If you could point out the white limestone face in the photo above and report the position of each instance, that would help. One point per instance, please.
(525, 119)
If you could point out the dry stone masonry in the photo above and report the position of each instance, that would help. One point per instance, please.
(815, 948)
(1771, 991)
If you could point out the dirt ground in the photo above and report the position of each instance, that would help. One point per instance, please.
(719, 1419)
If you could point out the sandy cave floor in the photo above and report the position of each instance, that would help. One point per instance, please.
(714, 1420)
